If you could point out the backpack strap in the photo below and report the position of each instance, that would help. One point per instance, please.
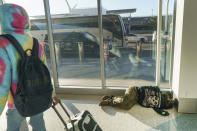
(19, 48)
(16, 44)
(35, 47)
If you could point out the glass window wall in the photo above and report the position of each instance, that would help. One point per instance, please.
(129, 40)
(76, 40)
(133, 62)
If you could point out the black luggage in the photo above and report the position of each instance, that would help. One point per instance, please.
(79, 122)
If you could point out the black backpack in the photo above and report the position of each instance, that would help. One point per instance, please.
(34, 89)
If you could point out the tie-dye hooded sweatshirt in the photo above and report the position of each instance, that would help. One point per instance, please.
(15, 21)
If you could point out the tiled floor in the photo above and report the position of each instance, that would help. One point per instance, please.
(112, 119)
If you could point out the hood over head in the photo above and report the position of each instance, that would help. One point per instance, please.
(13, 19)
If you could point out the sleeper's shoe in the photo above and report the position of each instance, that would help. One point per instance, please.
(107, 102)
(107, 97)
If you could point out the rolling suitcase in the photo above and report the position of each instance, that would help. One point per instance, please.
(79, 122)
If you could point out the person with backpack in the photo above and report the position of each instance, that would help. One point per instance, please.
(24, 78)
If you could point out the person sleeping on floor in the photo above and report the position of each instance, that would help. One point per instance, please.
(147, 96)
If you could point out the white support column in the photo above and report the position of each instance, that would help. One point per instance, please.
(184, 83)
(159, 27)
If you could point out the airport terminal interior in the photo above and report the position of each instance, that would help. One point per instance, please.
(102, 47)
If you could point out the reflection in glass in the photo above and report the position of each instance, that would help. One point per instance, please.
(129, 43)
(136, 64)
(76, 42)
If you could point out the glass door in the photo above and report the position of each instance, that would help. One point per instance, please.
(76, 41)
(129, 60)
(167, 42)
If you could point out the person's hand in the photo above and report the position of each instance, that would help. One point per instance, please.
(55, 100)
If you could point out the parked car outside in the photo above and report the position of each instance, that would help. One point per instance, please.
(133, 38)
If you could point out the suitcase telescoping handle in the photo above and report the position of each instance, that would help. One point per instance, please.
(60, 117)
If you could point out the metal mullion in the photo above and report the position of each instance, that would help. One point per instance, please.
(100, 26)
(166, 19)
(172, 43)
(159, 28)
(51, 45)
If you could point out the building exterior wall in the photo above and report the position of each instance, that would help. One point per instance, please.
(177, 47)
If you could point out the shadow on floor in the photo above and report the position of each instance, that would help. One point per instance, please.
(146, 116)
